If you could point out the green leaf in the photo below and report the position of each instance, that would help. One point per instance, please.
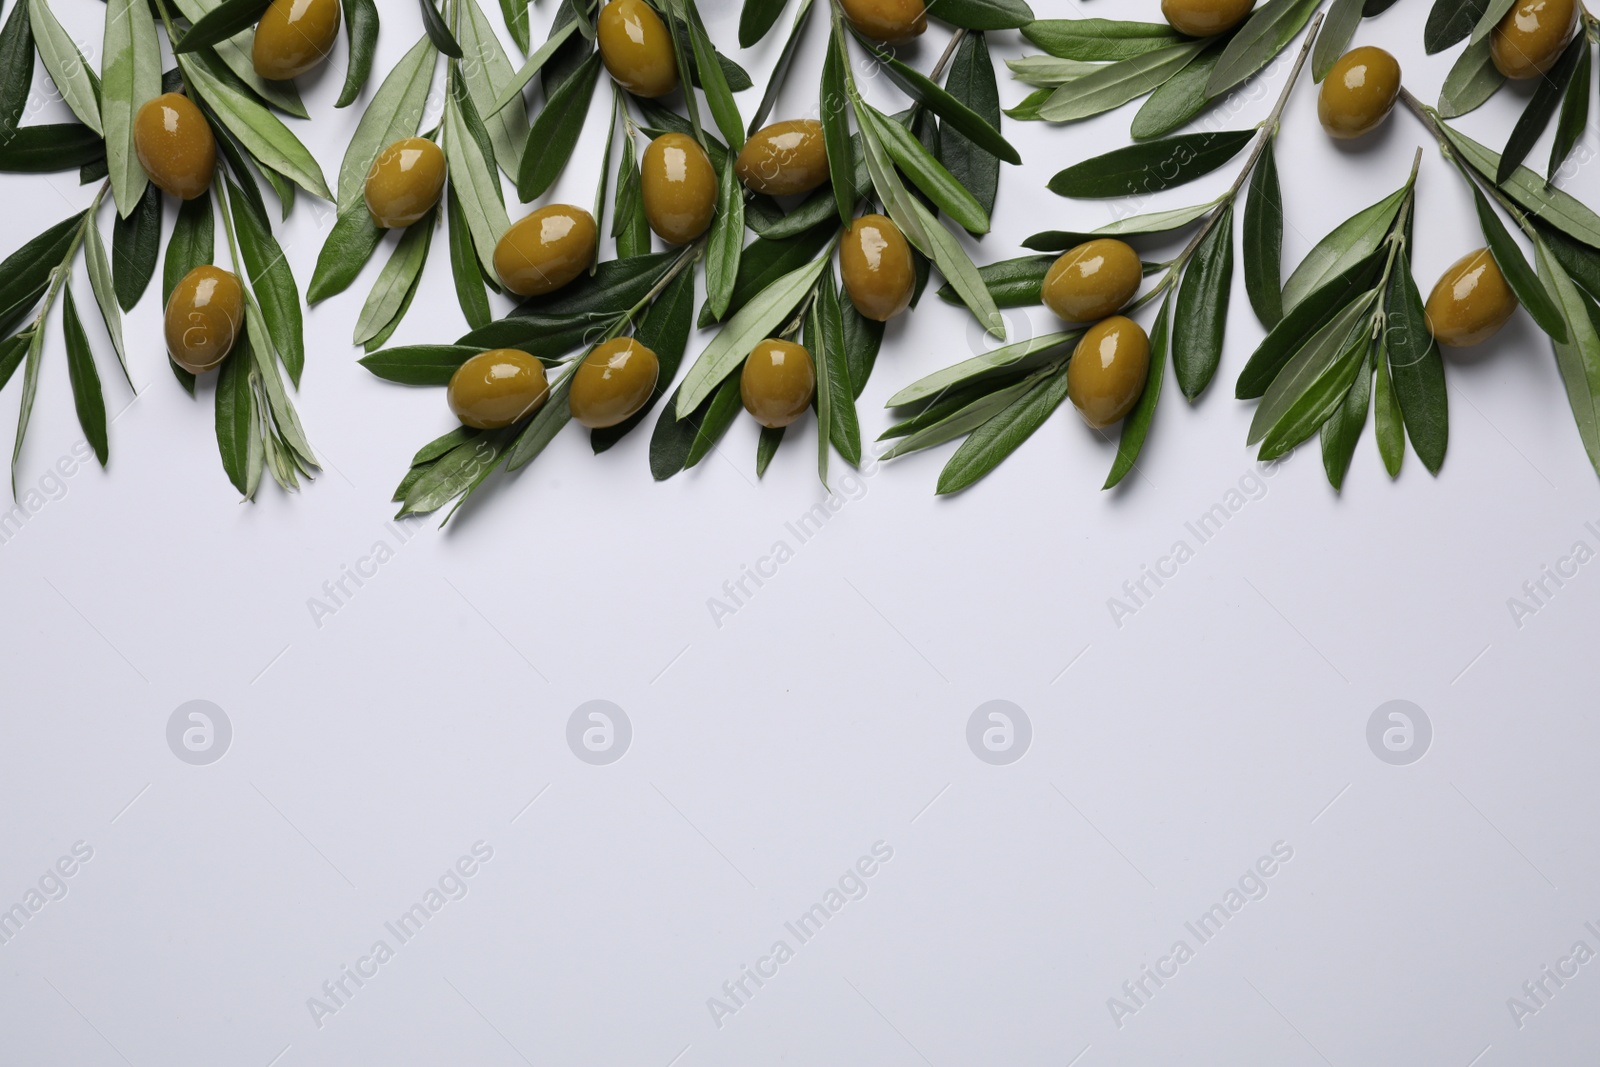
(1136, 426)
(30, 390)
(16, 67)
(476, 181)
(419, 364)
(999, 364)
(756, 18)
(1473, 79)
(1492, 16)
(486, 75)
(394, 112)
(1388, 422)
(1203, 309)
(767, 447)
(1579, 359)
(1581, 262)
(1263, 240)
(1117, 83)
(930, 176)
(665, 331)
(464, 266)
(1561, 210)
(261, 132)
(765, 261)
(724, 407)
(1099, 40)
(862, 339)
(1574, 111)
(512, 90)
(86, 394)
(983, 14)
(105, 293)
(1307, 319)
(953, 416)
(1150, 167)
(438, 32)
(1450, 22)
(552, 325)
(1518, 274)
(191, 245)
(52, 147)
(1541, 108)
(1342, 431)
(361, 31)
(1002, 435)
(1314, 381)
(1320, 403)
(349, 246)
(25, 274)
(1351, 242)
(272, 282)
(136, 247)
(752, 323)
(1048, 72)
(516, 16)
(396, 279)
(950, 110)
(971, 81)
(236, 419)
(1013, 283)
(628, 222)
(1415, 367)
(1267, 32)
(780, 70)
(719, 97)
(726, 243)
(836, 129)
(68, 69)
(221, 22)
(455, 474)
(1181, 99)
(131, 76)
(555, 132)
(236, 54)
(1338, 30)
(833, 367)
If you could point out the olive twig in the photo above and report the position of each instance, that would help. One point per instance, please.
(1432, 123)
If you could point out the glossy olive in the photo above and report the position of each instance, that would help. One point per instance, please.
(1359, 92)
(1093, 280)
(679, 187)
(545, 250)
(887, 20)
(1108, 370)
(498, 388)
(1471, 302)
(1532, 36)
(636, 48)
(1205, 18)
(405, 182)
(875, 262)
(784, 159)
(777, 382)
(613, 382)
(204, 315)
(293, 36)
(175, 145)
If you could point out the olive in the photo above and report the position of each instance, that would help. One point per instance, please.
(203, 318)
(404, 182)
(1359, 92)
(613, 382)
(777, 382)
(784, 159)
(1108, 370)
(887, 20)
(636, 48)
(1205, 18)
(679, 187)
(545, 250)
(293, 36)
(497, 388)
(1532, 36)
(875, 261)
(1093, 280)
(1471, 302)
(175, 145)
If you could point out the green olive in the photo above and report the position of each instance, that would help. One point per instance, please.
(1532, 36)
(875, 261)
(497, 388)
(1092, 280)
(1359, 92)
(679, 187)
(1108, 370)
(175, 145)
(613, 382)
(545, 250)
(204, 314)
(784, 159)
(636, 48)
(1471, 302)
(1205, 18)
(887, 20)
(293, 36)
(777, 382)
(404, 182)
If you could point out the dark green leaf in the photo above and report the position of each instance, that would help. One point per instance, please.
(1263, 240)
(16, 65)
(464, 267)
(951, 111)
(665, 331)
(1099, 40)
(972, 82)
(86, 394)
(1334, 40)
(982, 14)
(438, 32)
(844, 426)
(273, 284)
(1136, 426)
(1388, 422)
(236, 417)
(719, 95)
(767, 447)
(1002, 435)
(1558, 208)
(929, 175)
(836, 129)
(53, 147)
(1179, 100)
(1266, 33)
(1473, 80)
(723, 250)
(555, 132)
(419, 364)
(1013, 283)
(1151, 167)
(725, 407)
(221, 22)
(1415, 367)
(628, 222)
(1574, 111)
(361, 30)
(25, 274)
(1343, 429)
(1450, 22)
(349, 246)
(191, 245)
(12, 351)
(135, 248)
(1581, 262)
(1203, 309)
(516, 16)
(862, 339)
(1317, 403)
(550, 326)
(1307, 319)
(764, 262)
(1519, 274)
(780, 70)
(757, 18)
(1541, 108)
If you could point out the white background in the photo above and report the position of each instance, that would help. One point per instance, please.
(829, 713)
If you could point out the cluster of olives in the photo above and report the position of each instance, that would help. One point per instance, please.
(1091, 284)
(500, 388)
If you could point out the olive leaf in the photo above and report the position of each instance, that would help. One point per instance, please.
(350, 244)
(1181, 99)
(191, 245)
(1342, 430)
(136, 246)
(756, 18)
(361, 31)
(1450, 22)
(950, 110)
(397, 278)
(550, 326)
(1099, 40)
(1415, 367)
(1136, 424)
(841, 422)
(1473, 80)
(1493, 14)
(1388, 422)
(1351, 242)
(1560, 209)
(1334, 40)
(235, 54)
(1117, 83)
(515, 13)
(272, 282)
(983, 14)
(714, 82)
(25, 274)
(1521, 277)
(929, 175)
(1303, 394)
(395, 112)
(780, 70)
(1266, 33)
(16, 67)
(105, 294)
(836, 128)
(261, 132)
(68, 69)
(237, 420)
(438, 32)
(1541, 108)
(1574, 114)
(1011, 282)
(131, 77)
(554, 134)
(51, 147)
(512, 90)
(1308, 318)
(971, 81)
(87, 396)
(1150, 167)
(465, 269)
(486, 72)
(1000, 364)
(767, 447)
(1003, 434)
(221, 22)
(665, 331)
(1578, 359)
(1263, 240)
(764, 261)
(954, 416)
(1202, 308)
(726, 243)
(473, 175)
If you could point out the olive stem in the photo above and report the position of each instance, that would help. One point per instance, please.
(1431, 122)
(63, 270)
